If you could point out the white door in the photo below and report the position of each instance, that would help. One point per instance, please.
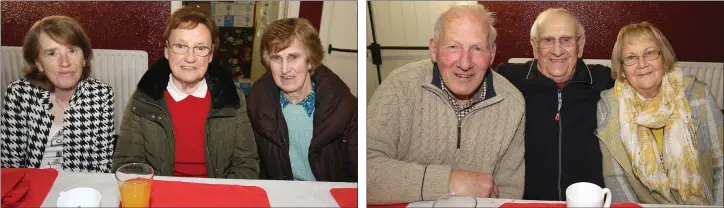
(339, 28)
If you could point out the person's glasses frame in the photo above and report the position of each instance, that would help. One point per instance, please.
(565, 41)
(181, 49)
(648, 56)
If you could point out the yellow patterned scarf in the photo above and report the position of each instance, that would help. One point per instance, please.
(679, 171)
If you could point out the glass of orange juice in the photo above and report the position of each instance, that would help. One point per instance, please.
(134, 182)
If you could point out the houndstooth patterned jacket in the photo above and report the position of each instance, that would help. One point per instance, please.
(88, 126)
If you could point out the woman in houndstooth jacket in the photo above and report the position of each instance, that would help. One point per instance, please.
(57, 116)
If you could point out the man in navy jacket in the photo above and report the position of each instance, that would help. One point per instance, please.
(560, 93)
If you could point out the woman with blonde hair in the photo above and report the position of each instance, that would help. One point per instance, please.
(660, 131)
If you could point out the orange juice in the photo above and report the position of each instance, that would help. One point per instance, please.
(136, 192)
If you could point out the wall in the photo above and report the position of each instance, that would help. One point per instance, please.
(312, 11)
(695, 29)
(109, 25)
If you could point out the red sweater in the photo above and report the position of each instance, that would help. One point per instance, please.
(188, 118)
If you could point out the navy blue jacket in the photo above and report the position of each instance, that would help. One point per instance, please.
(563, 151)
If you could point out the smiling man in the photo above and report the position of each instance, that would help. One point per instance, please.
(560, 93)
(449, 124)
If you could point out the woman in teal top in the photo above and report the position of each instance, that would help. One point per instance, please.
(303, 115)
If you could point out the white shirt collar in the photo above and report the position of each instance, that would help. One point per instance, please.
(178, 95)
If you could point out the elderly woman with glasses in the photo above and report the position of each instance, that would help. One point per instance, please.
(661, 132)
(561, 93)
(57, 116)
(187, 118)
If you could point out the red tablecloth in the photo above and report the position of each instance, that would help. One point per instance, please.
(345, 197)
(186, 194)
(26, 187)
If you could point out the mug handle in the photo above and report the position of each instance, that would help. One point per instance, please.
(607, 194)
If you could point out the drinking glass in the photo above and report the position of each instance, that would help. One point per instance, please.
(134, 183)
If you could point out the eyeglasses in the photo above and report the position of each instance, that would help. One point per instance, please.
(565, 41)
(182, 49)
(648, 55)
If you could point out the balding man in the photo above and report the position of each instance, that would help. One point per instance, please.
(560, 93)
(449, 124)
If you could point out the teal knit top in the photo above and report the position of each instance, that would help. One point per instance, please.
(300, 123)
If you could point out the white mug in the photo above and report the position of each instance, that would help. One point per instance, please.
(584, 194)
(80, 197)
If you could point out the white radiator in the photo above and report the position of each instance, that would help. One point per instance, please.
(710, 73)
(121, 69)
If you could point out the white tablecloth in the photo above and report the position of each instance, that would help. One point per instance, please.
(486, 202)
(280, 193)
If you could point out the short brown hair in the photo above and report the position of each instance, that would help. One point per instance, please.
(280, 34)
(189, 17)
(636, 32)
(62, 29)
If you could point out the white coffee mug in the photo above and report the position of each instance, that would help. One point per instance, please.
(80, 197)
(584, 194)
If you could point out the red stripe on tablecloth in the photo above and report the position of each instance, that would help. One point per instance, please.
(187, 194)
(345, 197)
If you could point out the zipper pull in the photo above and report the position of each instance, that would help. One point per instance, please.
(560, 103)
(459, 137)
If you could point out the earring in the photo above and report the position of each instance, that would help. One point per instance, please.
(83, 63)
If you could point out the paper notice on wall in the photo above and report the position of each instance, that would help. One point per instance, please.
(233, 14)
(236, 9)
(222, 9)
(242, 9)
(219, 20)
(243, 21)
(228, 21)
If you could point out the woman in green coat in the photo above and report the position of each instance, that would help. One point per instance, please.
(187, 118)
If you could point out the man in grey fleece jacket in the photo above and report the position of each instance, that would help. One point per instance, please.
(447, 125)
